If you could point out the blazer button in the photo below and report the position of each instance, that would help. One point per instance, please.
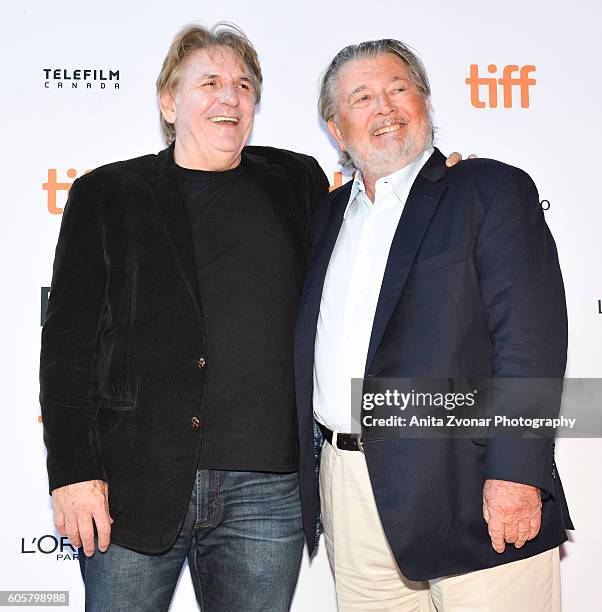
(195, 422)
(201, 363)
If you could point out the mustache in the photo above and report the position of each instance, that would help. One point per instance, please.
(384, 123)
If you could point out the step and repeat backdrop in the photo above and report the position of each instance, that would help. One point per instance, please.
(516, 81)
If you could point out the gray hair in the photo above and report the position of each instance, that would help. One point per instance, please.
(327, 102)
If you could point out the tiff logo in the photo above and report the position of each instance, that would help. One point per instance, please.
(508, 81)
(53, 186)
(339, 179)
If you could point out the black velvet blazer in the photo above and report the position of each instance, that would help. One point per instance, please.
(124, 361)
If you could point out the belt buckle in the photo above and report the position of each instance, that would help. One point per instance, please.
(360, 444)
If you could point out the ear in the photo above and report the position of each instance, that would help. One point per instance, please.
(336, 133)
(167, 105)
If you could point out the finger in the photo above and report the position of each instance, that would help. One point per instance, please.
(472, 156)
(453, 159)
(496, 533)
(485, 511)
(59, 522)
(86, 532)
(103, 528)
(524, 526)
(72, 530)
(106, 494)
(511, 532)
(535, 524)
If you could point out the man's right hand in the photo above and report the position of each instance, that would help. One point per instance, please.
(75, 506)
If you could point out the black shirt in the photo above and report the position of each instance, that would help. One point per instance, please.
(246, 261)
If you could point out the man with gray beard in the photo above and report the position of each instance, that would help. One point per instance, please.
(420, 271)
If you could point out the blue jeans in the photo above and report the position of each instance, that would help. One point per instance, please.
(243, 538)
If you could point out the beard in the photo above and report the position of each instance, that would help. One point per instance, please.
(385, 160)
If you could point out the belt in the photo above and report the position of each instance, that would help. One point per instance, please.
(345, 441)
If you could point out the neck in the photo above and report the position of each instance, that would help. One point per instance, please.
(369, 177)
(370, 183)
(193, 158)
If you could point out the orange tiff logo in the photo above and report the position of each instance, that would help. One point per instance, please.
(338, 181)
(53, 186)
(508, 82)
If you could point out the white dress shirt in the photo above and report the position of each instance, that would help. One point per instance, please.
(351, 290)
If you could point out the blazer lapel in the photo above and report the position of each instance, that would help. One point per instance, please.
(418, 211)
(165, 192)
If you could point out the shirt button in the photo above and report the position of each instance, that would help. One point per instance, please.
(195, 422)
(201, 363)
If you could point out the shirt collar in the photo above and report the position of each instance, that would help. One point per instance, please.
(401, 180)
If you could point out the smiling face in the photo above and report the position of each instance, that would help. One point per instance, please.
(382, 118)
(212, 109)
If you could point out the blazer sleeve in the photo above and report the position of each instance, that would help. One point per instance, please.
(69, 340)
(318, 214)
(319, 187)
(523, 296)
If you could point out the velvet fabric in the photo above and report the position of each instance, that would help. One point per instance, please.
(472, 289)
(124, 361)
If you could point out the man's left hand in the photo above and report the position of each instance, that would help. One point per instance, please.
(512, 512)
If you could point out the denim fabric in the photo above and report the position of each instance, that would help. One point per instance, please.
(242, 536)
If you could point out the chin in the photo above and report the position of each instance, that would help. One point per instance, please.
(228, 146)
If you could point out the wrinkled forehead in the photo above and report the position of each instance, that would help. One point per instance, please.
(370, 71)
(214, 60)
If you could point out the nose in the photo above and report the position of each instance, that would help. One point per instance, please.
(384, 104)
(229, 95)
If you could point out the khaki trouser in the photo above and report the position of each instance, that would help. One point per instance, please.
(368, 579)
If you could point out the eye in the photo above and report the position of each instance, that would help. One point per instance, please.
(209, 84)
(245, 86)
(361, 99)
(399, 89)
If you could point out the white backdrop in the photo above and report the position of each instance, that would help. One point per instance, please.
(49, 128)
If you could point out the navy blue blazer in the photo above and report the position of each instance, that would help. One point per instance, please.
(472, 288)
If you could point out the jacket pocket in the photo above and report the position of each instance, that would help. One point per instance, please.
(114, 404)
(110, 415)
(441, 260)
